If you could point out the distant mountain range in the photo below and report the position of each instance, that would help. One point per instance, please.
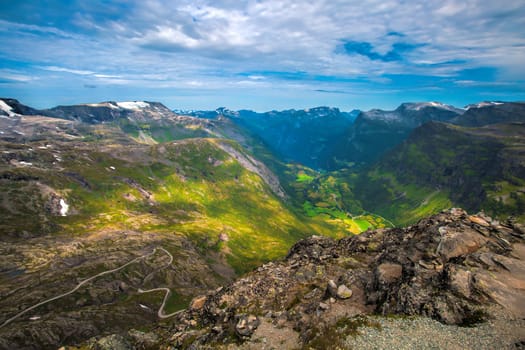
(471, 157)
(377, 131)
(326, 138)
(320, 138)
(302, 136)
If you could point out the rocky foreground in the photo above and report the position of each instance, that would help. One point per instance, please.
(450, 281)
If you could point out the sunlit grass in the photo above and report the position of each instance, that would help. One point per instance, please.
(197, 191)
(302, 177)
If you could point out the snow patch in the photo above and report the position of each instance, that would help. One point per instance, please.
(64, 207)
(135, 105)
(419, 106)
(104, 104)
(484, 104)
(7, 109)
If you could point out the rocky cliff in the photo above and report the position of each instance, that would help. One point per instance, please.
(458, 269)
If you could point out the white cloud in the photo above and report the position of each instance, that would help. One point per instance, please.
(299, 35)
(16, 76)
(67, 70)
(211, 44)
(31, 28)
(107, 76)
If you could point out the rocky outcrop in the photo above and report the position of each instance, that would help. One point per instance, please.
(450, 267)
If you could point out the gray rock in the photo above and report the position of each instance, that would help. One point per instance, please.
(332, 288)
(388, 273)
(460, 243)
(343, 292)
(460, 280)
(246, 325)
(323, 306)
(143, 340)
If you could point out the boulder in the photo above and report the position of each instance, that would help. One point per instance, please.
(460, 243)
(198, 302)
(460, 280)
(387, 273)
(343, 292)
(478, 220)
(246, 325)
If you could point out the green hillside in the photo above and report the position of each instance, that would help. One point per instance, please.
(442, 165)
(190, 188)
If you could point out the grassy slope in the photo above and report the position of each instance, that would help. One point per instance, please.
(441, 166)
(190, 188)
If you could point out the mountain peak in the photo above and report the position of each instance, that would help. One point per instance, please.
(6, 109)
(483, 104)
(417, 106)
(491, 112)
(11, 107)
(127, 105)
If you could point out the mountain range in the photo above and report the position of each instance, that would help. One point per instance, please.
(106, 206)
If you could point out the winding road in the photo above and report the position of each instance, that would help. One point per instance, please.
(107, 272)
(161, 313)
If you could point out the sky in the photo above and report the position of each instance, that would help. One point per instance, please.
(262, 54)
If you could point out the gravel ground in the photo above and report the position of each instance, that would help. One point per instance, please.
(424, 333)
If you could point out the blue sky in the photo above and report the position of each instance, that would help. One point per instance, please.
(262, 54)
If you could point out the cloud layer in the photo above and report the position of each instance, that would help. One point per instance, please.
(266, 53)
